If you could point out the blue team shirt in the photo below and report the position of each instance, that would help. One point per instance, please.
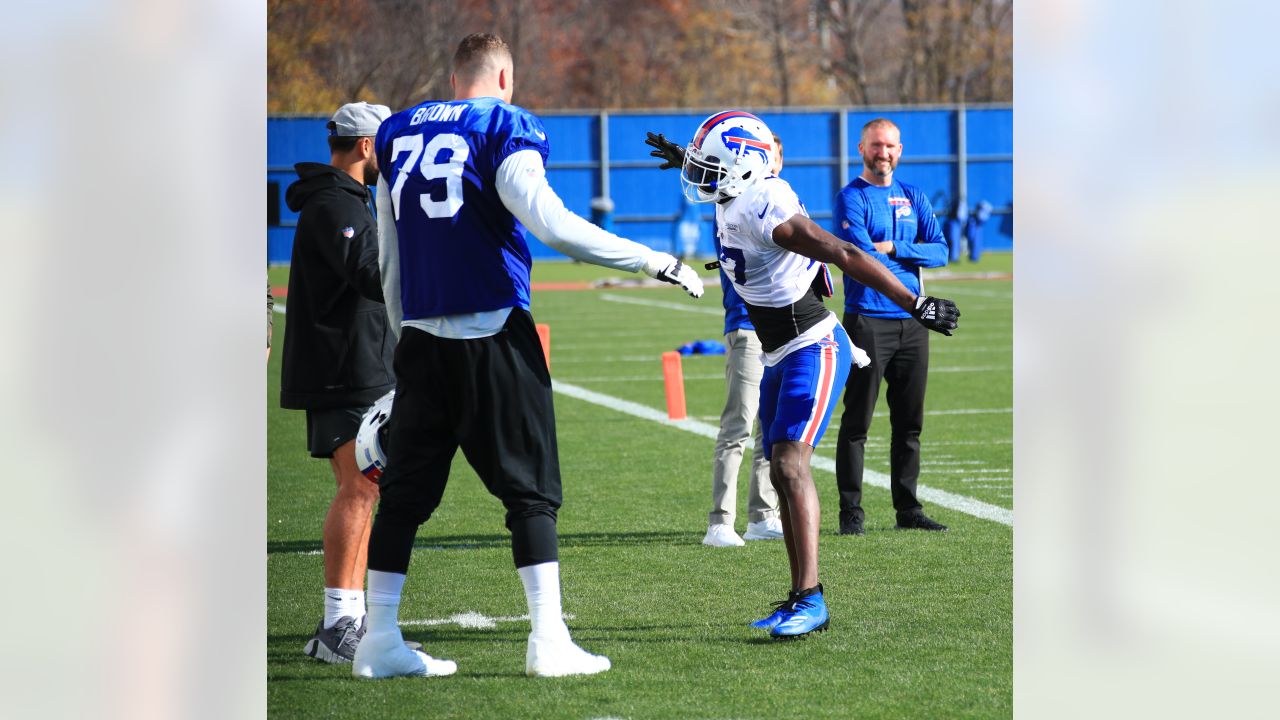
(864, 214)
(735, 311)
(461, 250)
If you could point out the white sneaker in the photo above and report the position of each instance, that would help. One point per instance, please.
(561, 657)
(384, 655)
(721, 536)
(770, 529)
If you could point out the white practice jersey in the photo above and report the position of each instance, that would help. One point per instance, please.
(763, 273)
(768, 276)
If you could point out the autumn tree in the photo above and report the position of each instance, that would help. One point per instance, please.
(620, 54)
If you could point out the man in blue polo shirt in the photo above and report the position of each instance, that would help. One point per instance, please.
(894, 222)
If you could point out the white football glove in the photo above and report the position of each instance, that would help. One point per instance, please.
(666, 268)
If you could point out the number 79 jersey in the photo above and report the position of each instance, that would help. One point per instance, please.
(763, 273)
(460, 249)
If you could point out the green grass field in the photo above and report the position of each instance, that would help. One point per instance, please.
(921, 623)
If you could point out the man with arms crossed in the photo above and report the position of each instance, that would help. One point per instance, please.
(460, 182)
(775, 256)
(893, 222)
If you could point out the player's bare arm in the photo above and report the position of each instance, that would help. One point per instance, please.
(804, 237)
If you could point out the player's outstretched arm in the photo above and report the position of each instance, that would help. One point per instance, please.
(522, 186)
(803, 236)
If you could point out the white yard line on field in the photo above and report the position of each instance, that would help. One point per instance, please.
(961, 503)
(720, 376)
(963, 291)
(471, 619)
(644, 378)
(931, 443)
(662, 304)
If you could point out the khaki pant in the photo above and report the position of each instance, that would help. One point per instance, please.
(742, 373)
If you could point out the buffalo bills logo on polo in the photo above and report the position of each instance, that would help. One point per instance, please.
(901, 206)
(742, 142)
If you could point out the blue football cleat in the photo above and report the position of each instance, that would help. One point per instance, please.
(780, 611)
(806, 614)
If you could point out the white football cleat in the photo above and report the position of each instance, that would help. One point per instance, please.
(384, 655)
(561, 657)
(769, 529)
(721, 536)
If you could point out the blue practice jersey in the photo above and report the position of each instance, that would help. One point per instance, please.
(735, 311)
(461, 250)
(866, 214)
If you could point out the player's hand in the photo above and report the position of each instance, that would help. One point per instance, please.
(666, 268)
(671, 153)
(937, 314)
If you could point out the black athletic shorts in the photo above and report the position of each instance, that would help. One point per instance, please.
(489, 396)
(329, 429)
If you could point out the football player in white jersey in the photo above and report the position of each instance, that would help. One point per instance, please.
(775, 256)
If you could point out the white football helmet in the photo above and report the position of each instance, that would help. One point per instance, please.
(371, 456)
(731, 151)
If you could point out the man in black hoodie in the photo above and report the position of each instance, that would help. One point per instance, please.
(338, 352)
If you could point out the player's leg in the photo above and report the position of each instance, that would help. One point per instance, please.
(805, 610)
(906, 376)
(771, 402)
(508, 436)
(331, 434)
(860, 394)
(361, 567)
(811, 381)
(420, 449)
(799, 498)
(347, 523)
(770, 386)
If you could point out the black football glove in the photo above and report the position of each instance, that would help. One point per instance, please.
(665, 150)
(937, 314)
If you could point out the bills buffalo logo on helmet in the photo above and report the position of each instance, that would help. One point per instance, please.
(740, 142)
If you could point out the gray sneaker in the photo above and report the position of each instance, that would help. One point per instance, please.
(337, 644)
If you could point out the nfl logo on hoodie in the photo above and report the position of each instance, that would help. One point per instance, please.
(348, 232)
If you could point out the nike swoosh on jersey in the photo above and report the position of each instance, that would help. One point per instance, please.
(762, 212)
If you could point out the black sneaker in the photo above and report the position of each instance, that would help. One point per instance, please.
(336, 644)
(851, 526)
(919, 522)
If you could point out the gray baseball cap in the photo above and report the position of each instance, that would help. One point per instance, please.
(358, 120)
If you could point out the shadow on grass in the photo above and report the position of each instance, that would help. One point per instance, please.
(468, 542)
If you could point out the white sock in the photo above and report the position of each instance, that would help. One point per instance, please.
(340, 603)
(384, 600)
(542, 591)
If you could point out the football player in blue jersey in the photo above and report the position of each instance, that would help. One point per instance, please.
(460, 182)
(774, 256)
(893, 222)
